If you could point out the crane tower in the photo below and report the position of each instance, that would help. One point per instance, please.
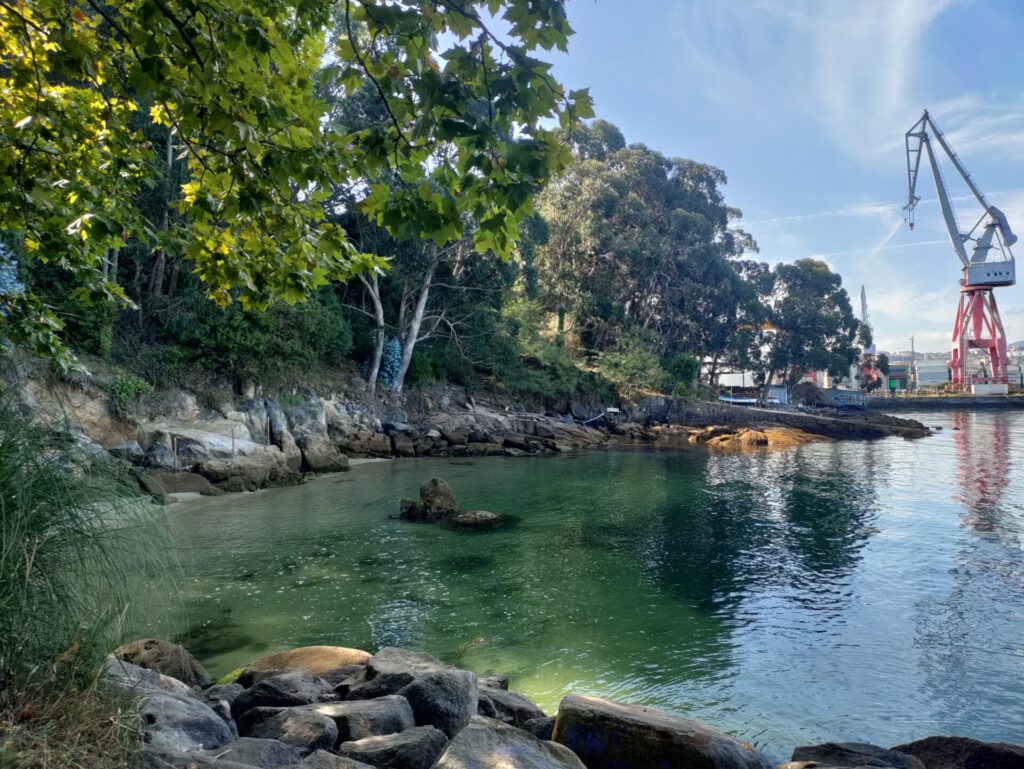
(987, 265)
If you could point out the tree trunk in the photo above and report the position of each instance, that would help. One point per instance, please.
(412, 334)
(378, 316)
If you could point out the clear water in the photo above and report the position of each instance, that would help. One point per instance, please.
(861, 591)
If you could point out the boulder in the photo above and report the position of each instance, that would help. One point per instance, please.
(182, 724)
(540, 727)
(321, 759)
(355, 720)
(138, 681)
(855, 754)
(436, 502)
(265, 468)
(488, 743)
(159, 456)
(155, 757)
(294, 687)
(455, 437)
(182, 483)
(964, 753)
(266, 754)
(608, 734)
(403, 445)
(319, 455)
(507, 707)
(445, 699)
(415, 748)
(304, 729)
(399, 666)
(253, 717)
(130, 450)
(223, 692)
(494, 681)
(167, 658)
(315, 659)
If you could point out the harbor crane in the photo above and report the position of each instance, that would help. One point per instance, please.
(986, 265)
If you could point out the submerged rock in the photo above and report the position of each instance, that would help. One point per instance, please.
(477, 519)
(315, 659)
(611, 735)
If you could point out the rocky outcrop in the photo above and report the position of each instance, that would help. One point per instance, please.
(166, 658)
(964, 753)
(437, 503)
(609, 735)
(855, 754)
(250, 473)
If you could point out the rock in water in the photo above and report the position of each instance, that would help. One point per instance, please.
(415, 748)
(856, 754)
(610, 735)
(506, 706)
(488, 743)
(315, 659)
(964, 753)
(445, 699)
(436, 502)
(167, 658)
(476, 519)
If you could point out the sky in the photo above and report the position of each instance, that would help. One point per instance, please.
(804, 104)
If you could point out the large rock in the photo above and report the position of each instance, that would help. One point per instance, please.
(488, 743)
(182, 723)
(403, 445)
(445, 699)
(855, 754)
(182, 483)
(355, 720)
(392, 660)
(138, 681)
(302, 728)
(540, 727)
(319, 455)
(154, 757)
(321, 759)
(415, 748)
(964, 753)
(315, 659)
(436, 502)
(506, 706)
(288, 689)
(167, 658)
(266, 468)
(266, 754)
(610, 735)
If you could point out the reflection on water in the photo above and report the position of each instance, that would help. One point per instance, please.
(834, 591)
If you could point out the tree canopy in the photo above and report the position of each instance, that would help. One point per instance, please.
(226, 97)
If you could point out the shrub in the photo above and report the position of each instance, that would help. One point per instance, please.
(633, 363)
(125, 390)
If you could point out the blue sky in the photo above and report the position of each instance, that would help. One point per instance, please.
(804, 105)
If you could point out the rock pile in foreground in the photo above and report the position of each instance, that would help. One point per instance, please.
(325, 707)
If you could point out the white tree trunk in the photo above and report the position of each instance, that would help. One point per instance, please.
(411, 335)
(373, 288)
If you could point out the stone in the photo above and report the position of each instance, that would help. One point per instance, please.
(319, 455)
(855, 754)
(517, 441)
(159, 456)
(433, 434)
(494, 681)
(403, 445)
(395, 427)
(476, 519)
(183, 483)
(130, 450)
(321, 759)
(609, 734)
(436, 502)
(455, 437)
(488, 743)
(167, 658)
(415, 748)
(345, 677)
(479, 436)
(138, 681)
(506, 706)
(155, 757)
(315, 659)
(268, 467)
(294, 687)
(237, 484)
(253, 717)
(304, 729)
(181, 724)
(266, 754)
(355, 720)
(445, 699)
(224, 692)
(964, 753)
(540, 727)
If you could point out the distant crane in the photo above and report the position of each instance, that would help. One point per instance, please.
(988, 265)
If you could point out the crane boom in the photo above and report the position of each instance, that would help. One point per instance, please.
(996, 232)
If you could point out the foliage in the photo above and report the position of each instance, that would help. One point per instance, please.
(633, 363)
(125, 390)
(236, 89)
(882, 363)
(682, 371)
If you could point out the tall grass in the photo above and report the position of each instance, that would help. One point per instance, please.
(73, 534)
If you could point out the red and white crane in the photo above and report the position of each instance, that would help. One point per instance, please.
(988, 264)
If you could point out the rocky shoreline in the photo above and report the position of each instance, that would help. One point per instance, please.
(329, 707)
(188, 443)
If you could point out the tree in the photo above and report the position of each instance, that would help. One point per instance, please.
(809, 325)
(235, 88)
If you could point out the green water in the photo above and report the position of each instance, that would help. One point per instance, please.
(868, 591)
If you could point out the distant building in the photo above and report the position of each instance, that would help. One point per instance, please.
(933, 372)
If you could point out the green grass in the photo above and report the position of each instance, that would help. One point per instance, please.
(74, 536)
